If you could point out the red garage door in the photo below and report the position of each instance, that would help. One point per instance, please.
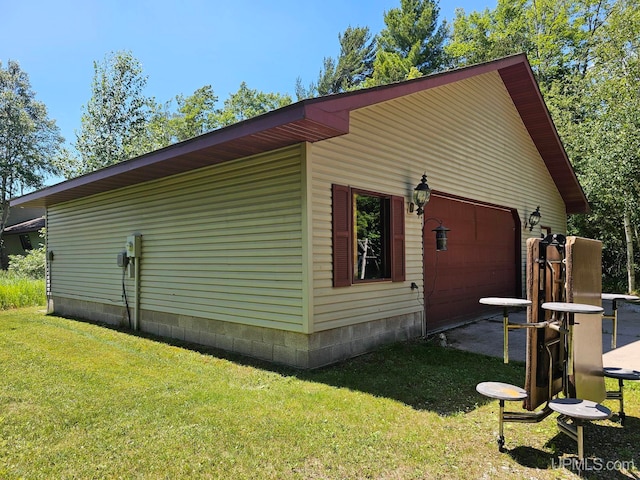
(482, 259)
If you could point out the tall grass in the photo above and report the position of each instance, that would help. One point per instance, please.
(18, 291)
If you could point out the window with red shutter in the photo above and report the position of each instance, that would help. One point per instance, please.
(397, 240)
(341, 219)
(368, 236)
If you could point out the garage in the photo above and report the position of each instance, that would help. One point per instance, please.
(482, 258)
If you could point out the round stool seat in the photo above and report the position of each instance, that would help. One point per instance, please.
(619, 296)
(621, 373)
(578, 408)
(505, 302)
(501, 391)
(572, 307)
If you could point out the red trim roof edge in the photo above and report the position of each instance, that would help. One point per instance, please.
(321, 118)
(529, 102)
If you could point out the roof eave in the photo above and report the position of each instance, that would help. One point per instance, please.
(527, 98)
(297, 123)
(319, 119)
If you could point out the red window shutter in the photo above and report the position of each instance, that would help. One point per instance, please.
(397, 240)
(341, 220)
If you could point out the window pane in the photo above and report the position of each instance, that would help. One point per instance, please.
(371, 237)
(25, 241)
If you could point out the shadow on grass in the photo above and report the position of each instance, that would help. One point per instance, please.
(532, 457)
(418, 373)
(426, 376)
(604, 457)
(609, 450)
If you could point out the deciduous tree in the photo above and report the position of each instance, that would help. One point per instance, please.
(610, 166)
(115, 119)
(196, 114)
(28, 138)
(247, 103)
(585, 56)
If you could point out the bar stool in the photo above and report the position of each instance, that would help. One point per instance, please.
(502, 392)
(578, 411)
(615, 297)
(505, 303)
(621, 374)
(575, 410)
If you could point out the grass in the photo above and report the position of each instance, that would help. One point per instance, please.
(79, 400)
(19, 291)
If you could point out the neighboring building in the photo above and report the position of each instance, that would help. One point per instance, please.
(251, 237)
(22, 232)
(20, 238)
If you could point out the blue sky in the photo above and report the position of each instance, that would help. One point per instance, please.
(182, 45)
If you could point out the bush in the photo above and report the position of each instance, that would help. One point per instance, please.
(31, 265)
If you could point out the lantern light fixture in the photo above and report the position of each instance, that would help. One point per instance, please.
(441, 234)
(441, 237)
(534, 218)
(421, 194)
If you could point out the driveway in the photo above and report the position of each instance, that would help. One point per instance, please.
(485, 336)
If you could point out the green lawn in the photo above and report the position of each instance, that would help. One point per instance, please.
(82, 401)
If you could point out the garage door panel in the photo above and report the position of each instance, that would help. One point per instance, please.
(481, 259)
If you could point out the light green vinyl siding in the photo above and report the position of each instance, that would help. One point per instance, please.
(223, 243)
(469, 139)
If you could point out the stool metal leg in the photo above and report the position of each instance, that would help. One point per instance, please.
(614, 323)
(614, 334)
(505, 326)
(620, 389)
(573, 430)
(501, 427)
(618, 395)
(580, 435)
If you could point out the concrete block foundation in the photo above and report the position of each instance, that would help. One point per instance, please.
(300, 350)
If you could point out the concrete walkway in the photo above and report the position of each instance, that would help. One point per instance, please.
(485, 336)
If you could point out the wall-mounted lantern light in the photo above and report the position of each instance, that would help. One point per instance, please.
(421, 194)
(534, 218)
(441, 234)
(441, 237)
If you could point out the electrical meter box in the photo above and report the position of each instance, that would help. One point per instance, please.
(133, 245)
(122, 260)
